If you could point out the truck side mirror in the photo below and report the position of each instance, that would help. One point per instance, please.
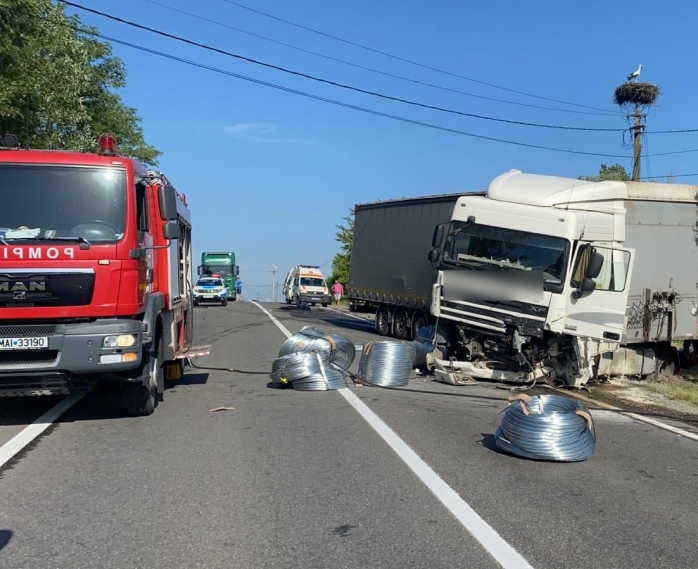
(438, 237)
(171, 230)
(168, 203)
(434, 256)
(237, 271)
(594, 266)
(198, 271)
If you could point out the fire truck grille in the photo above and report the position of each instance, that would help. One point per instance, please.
(27, 330)
(28, 357)
(29, 290)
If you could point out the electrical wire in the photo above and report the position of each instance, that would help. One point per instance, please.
(342, 104)
(436, 69)
(387, 363)
(370, 69)
(330, 82)
(546, 427)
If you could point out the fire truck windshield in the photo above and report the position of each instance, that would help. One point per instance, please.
(62, 202)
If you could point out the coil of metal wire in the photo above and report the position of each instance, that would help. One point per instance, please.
(386, 363)
(423, 344)
(299, 365)
(308, 339)
(328, 379)
(547, 427)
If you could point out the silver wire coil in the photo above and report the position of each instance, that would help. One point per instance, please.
(424, 344)
(331, 378)
(547, 427)
(298, 365)
(386, 363)
(309, 339)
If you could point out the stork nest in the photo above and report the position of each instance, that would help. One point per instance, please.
(641, 94)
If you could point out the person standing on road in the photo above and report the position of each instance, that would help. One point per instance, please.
(238, 289)
(338, 291)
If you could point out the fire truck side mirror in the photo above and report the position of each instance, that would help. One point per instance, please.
(168, 203)
(171, 230)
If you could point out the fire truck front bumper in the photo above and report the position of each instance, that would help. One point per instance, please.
(37, 359)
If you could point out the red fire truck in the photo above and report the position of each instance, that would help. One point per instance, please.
(95, 274)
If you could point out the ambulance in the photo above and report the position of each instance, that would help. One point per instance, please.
(305, 284)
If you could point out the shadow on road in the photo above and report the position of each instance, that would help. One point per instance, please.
(5, 537)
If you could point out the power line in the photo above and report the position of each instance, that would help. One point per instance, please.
(372, 70)
(342, 104)
(414, 62)
(668, 176)
(329, 82)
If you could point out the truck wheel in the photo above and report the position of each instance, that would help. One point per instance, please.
(402, 324)
(224, 303)
(140, 398)
(313, 303)
(383, 321)
(419, 320)
(324, 304)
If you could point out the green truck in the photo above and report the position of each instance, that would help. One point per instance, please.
(221, 265)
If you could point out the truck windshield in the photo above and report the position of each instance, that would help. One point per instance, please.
(62, 202)
(309, 281)
(218, 269)
(485, 247)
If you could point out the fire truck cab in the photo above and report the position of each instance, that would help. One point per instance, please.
(95, 275)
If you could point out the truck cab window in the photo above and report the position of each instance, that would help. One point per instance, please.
(614, 270)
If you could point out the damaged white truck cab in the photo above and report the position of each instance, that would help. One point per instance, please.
(535, 277)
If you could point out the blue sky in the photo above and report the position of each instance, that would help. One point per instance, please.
(268, 174)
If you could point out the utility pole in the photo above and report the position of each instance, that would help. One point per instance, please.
(638, 127)
(273, 282)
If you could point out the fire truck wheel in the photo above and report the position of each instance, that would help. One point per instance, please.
(140, 398)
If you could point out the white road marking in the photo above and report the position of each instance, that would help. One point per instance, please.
(654, 422)
(31, 432)
(497, 547)
(349, 314)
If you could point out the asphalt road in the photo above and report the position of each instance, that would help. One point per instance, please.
(290, 479)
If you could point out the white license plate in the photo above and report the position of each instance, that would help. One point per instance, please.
(208, 296)
(23, 343)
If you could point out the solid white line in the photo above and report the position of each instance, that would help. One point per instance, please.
(654, 422)
(31, 432)
(502, 552)
(350, 315)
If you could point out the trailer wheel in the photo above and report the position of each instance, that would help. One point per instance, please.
(402, 324)
(383, 320)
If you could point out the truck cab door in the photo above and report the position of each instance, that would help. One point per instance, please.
(597, 292)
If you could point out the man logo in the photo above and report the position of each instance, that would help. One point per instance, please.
(23, 286)
(19, 295)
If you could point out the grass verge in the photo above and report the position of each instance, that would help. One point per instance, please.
(682, 387)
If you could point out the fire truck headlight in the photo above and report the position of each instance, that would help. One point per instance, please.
(121, 341)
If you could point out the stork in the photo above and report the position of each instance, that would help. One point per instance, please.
(635, 74)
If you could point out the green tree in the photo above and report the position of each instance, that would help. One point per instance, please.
(614, 172)
(59, 85)
(345, 237)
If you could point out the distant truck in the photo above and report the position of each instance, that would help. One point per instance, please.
(389, 274)
(221, 265)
